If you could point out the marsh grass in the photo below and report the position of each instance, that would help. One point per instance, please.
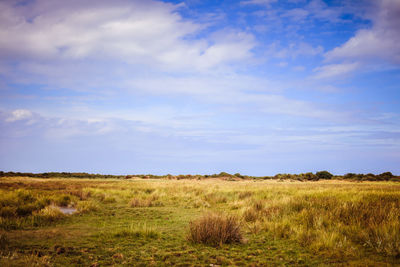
(282, 223)
(334, 224)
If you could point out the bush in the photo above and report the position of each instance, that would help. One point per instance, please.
(215, 229)
(309, 176)
(386, 176)
(324, 175)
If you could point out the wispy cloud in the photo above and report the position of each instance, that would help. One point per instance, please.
(335, 70)
(257, 2)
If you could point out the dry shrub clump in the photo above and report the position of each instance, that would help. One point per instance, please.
(215, 229)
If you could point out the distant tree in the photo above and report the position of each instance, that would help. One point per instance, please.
(350, 176)
(309, 176)
(324, 175)
(385, 176)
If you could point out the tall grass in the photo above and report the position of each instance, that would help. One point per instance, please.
(337, 225)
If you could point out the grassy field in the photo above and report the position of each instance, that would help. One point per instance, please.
(198, 222)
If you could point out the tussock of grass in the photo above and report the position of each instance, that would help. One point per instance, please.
(245, 194)
(151, 201)
(51, 213)
(46, 215)
(251, 215)
(3, 241)
(87, 206)
(216, 198)
(138, 231)
(215, 229)
(62, 200)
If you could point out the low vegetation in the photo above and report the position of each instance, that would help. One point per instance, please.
(315, 220)
(309, 176)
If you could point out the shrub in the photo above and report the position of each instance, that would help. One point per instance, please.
(386, 176)
(324, 175)
(309, 176)
(215, 229)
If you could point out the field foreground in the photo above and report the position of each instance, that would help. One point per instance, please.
(153, 222)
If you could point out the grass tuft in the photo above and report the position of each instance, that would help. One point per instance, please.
(87, 206)
(215, 229)
(141, 230)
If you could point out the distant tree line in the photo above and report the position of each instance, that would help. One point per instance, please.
(59, 175)
(309, 176)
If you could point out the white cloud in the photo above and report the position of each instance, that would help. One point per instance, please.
(19, 114)
(379, 43)
(136, 32)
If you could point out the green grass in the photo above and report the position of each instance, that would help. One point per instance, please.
(159, 222)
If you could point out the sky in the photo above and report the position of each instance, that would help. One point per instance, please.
(258, 87)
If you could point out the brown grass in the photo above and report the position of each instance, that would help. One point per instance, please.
(215, 229)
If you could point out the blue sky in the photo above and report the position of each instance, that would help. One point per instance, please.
(255, 86)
